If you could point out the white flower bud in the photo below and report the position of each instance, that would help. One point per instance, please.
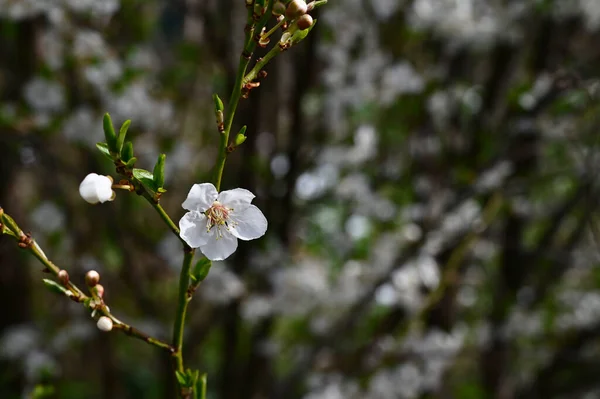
(105, 324)
(95, 188)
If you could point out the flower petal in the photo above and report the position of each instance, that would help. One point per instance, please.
(192, 229)
(248, 224)
(87, 188)
(219, 248)
(238, 198)
(96, 188)
(200, 197)
(104, 189)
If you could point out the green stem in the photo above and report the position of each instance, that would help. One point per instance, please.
(36, 251)
(135, 333)
(165, 217)
(236, 91)
(273, 29)
(261, 64)
(234, 99)
(182, 302)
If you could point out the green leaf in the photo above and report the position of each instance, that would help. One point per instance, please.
(103, 148)
(109, 134)
(127, 152)
(142, 174)
(131, 162)
(122, 135)
(146, 178)
(159, 171)
(201, 269)
(181, 378)
(56, 288)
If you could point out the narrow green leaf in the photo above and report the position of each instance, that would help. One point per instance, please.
(127, 152)
(159, 171)
(201, 269)
(131, 162)
(103, 148)
(142, 174)
(122, 135)
(181, 378)
(56, 288)
(109, 134)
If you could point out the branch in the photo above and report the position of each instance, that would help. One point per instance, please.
(9, 227)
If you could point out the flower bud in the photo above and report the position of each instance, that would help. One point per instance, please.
(92, 278)
(278, 9)
(305, 22)
(104, 324)
(63, 277)
(99, 290)
(295, 9)
(95, 188)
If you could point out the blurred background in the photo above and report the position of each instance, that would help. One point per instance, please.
(429, 170)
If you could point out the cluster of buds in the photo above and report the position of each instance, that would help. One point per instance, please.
(92, 279)
(297, 14)
(297, 10)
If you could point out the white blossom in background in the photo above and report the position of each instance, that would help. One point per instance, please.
(38, 363)
(464, 21)
(48, 217)
(96, 188)
(256, 308)
(89, 44)
(169, 248)
(52, 49)
(399, 79)
(301, 288)
(82, 127)
(215, 220)
(18, 340)
(136, 102)
(45, 95)
(22, 9)
(222, 286)
(590, 10)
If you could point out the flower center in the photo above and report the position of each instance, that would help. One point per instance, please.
(217, 215)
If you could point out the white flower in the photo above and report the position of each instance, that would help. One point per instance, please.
(105, 324)
(95, 188)
(215, 221)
